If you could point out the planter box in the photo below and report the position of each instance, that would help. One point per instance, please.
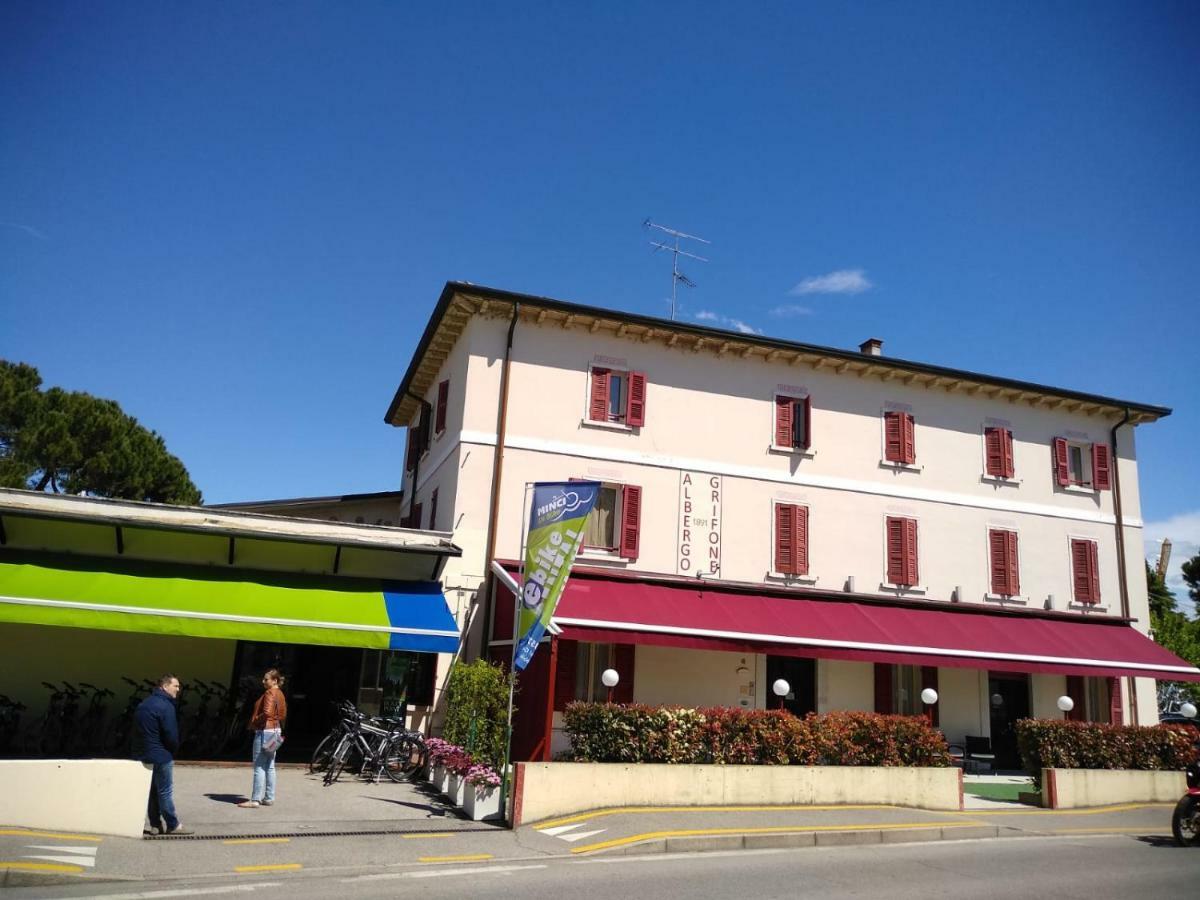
(481, 803)
(438, 778)
(455, 788)
(1073, 788)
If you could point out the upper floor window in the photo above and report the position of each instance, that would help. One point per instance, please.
(1080, 464)
(1003, 562)
(618, 397)
(998, 452)
(899, 437)
(793, 422)
(614, 523)
(901, 537)
(1085, 572)
(443, 400)
(791, 539)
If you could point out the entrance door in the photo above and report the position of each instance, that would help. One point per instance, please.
(1008, 697)
(801, 675)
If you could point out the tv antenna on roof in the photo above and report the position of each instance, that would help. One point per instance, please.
(676, 275)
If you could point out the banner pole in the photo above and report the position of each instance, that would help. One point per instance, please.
(512, 675)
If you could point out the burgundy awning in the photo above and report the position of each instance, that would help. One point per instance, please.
(680, 615)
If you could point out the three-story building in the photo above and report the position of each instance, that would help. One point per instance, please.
(860, 526)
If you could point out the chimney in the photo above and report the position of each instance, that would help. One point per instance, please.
(871, 347)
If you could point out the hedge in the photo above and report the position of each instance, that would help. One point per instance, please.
(602, 732)
(1053, 744)
(477, 710)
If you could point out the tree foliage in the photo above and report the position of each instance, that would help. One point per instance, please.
(1161, 598)
(71, 442)
(1171, 628)
(1191, 577)
(477, 710)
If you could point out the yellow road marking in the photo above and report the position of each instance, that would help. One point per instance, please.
(467, 857)
(257, 841)
(1090, 811)
(772, 829)
(275, 868)
(23, 832)
(691, 809)
(432, 834)
(39, 867)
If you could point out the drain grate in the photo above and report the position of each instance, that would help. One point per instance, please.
(372, 832)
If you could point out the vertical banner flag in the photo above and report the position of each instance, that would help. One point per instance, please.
(556, 519)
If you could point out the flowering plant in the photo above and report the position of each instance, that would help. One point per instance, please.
(483, 777)
(457, 760)
(437, 749)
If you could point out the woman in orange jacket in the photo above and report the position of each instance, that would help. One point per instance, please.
(270, 712)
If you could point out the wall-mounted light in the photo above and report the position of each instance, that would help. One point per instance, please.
(1065, 703)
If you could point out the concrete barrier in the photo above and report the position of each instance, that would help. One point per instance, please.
(544, 790)
(97, 796)
(1072, 788)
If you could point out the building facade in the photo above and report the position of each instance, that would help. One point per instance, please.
(860, 526)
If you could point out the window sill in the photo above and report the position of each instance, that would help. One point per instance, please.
(1087, 608)
(600, 556)
(1078, 489)
(901, 590)
(900, 466)
(801, 452)
(611, 426)
(1001, 481)
(787, 580)
(1014, 599)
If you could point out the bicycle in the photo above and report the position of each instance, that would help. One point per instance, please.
(122, 732)
(91, 728)
(10, 722)
(379, 749)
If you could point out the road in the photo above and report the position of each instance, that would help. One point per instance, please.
(1095, 867)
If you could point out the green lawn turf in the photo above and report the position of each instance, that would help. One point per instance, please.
(996, 791)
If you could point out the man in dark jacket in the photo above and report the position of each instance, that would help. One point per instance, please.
(155, 740)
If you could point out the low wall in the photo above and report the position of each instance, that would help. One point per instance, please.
(98, 796)
(1071, 788)
(545, 790)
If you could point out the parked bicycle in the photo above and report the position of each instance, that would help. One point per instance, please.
(10, 722)
(372, 746)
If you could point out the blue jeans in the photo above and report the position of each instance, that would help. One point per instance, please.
(264, 767)
(162, 796)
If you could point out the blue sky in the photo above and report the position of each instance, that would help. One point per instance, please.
(236, 221)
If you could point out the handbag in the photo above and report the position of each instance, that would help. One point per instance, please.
(272, 742)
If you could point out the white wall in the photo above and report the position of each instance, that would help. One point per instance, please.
(842, 684)
(674, 676)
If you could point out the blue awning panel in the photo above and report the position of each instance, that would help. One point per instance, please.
(422, 616)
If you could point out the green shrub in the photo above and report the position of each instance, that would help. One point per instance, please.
(602, 732)
(477, 710)
(1053, 744)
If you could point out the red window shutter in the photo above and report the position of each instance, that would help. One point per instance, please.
(895, 550)
(998, 555)
(1007, 445)
(1062, 469)
(1014, 565)
(1101, 472)
(893, 437)
(784, 409)
(1083, 571)
(801, 539)
(598, 407)
(883, 688)
(1116, 712)
(631, 519)
(993, 439)
(635, 413)
(929, 679)
(785, 538)
(433, 510)
(442, 402)
(911, 576)
(1077, 691)
(412, 451)
(623, 657)
(1093, 571)
(807, 422)
(909, 431)
(564, 675)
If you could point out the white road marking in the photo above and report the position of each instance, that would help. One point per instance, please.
(438, 873)
(69, 860)
(581, 835)
(561, 829)
(82, 851)
(188, 892)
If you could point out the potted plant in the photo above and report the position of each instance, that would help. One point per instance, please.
(435, 769)
(457, 762)
(482, 798)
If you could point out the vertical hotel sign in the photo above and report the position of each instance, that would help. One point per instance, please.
(699, 524)
(556, 520)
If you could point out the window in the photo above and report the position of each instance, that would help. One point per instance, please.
(1082, 465)
(1085, 573)
(901, 551)
(1003, 561)
(1096, 699)
(998, 452)
(906, 691)
(614, 523)
(590, 662)
(414, 517)
(433, 510)
(898, 690)
(791, 539)
(418, 440)
(618, 397)
(443, 399)
(899, 437)
(793, 422)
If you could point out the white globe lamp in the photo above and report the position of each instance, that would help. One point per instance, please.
(609, 678)
(1065, 703)
(1188, 710)
(929, 696)
(781, 689)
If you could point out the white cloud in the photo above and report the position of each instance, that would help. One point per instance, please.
(707, 315)
(843, 281)
(787, 310)
(1184, 531)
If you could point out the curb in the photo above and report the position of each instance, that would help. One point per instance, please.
(801, 839)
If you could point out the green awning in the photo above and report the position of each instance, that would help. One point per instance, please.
(203, 601)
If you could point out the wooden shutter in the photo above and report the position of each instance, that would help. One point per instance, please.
(1007, 445)
(893, 437)
(909, 434)
(1062, 468)
(623, 658)
(929, 679)
(800, 561)
(883, 688)
(911, 575)
(635, 409)
(1093, 571)
(1014, 565)
(564, 676)
(785, 538)
(598, 406)
(1084, 571)
(433, 498)
(1077, 691)
(411, 451)
(631, 519)
(1116, 711)
(784, 410)
(807, 402)
(998, 556)
(1101, 471)
(442, 402)
(993, 439)
(895, 550)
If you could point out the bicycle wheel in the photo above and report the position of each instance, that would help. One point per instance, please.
(337, 760)
(403, 756)
(323, 753)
